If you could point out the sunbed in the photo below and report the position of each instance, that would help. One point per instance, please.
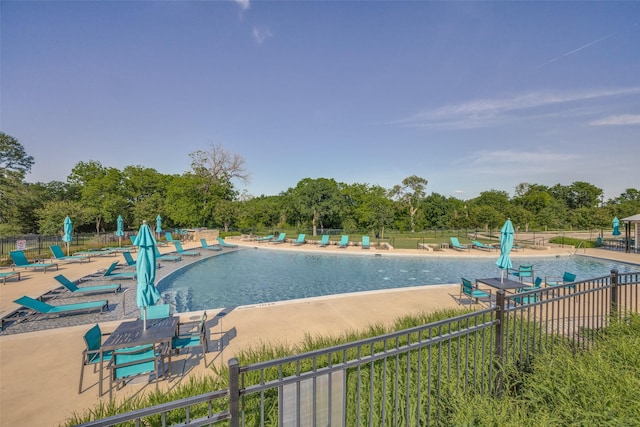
(44, 308)
(59, 255)
(87, 289)
(20, 260)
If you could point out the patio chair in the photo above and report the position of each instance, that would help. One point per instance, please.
(524, 273)
(8, 274)
(344, 241)
(467, 288)
(365, 242)
(533, 298)
(192, 334)
(20, 260)
(58, 255)
(324, 241)
(91, 353)
(127, 363)
(181, 250)
(166, 257)
(68, 284)
(205, 245)
(279, 239)
(300, 240)
(109, 274)
(159, 311)
(225, 244)
(455, 244)
(555, 281)
(479, 245)
(44, 308)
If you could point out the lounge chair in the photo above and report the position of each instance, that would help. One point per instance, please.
(58, 255)
(265, 238)
(8, 274)
(44, 308)
(344, 241)
(365, 242)
(205, 245)
(300, 240)
(20, 260)
(324, 241)
(166, 257)
(455, 244)
(194, 336)
(108, 273)
(225, 244)
(554, 281)
(181, 251)
(524, 272)
(133, 362)
(97, 252)
(479, 245)
(115, 288)
(279, 239)
(467, 288)
(91, 354)
(128, 258)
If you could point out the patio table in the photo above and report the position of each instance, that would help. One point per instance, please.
(132, 334)
(504, 284)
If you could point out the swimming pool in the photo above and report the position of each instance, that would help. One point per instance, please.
(248, 277)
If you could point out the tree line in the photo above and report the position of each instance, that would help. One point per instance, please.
(207, 196)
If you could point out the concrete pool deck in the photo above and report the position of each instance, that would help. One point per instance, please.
(39, 371)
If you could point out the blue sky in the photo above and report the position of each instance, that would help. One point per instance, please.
(471, 96)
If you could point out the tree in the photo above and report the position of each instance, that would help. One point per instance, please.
(409, 195)
(316, 199)
(14, 165)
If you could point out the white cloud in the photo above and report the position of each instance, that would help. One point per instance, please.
(244, 4)
(261, 34)
(620, 120)
(489, 112)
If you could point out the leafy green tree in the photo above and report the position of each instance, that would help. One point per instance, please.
(409, 195)
(53, 213)
(259, 212)
(183, 204)
(316, 199)
(577, 195)
(14, 165)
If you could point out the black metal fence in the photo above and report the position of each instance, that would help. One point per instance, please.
(405, 377)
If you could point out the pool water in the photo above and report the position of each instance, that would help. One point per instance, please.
(254, 276)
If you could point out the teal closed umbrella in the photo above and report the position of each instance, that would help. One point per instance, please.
(120, 230)
(68, 228)
(506, 244)
(147, 293)
(616, 226)
(158, 224)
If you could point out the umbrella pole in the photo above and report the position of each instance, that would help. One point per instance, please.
(67, 248)
(144, 317)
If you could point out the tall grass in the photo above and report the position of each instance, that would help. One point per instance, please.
(557, 387)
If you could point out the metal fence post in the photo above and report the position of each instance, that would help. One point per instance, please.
(499, 343)
(614, 291)
(234, 392)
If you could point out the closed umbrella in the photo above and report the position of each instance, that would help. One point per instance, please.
(616, 226)
(147, 293)
(67, 237)
(158, 224)
(120, 230)
(506, 243)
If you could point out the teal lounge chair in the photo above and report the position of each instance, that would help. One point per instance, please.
(115, 288)
(20, 260)
(324, 241)
(365, 242)
(181, 251)
(91, 354)
(193, 336)
(265, 238)
(300, 240)
(279, 239)
(8, 274)
(169, 237)
(97, 252)
(479, 245)
(44, 308)
(471, 291)
(109, 274)
(166, 257)
(455, 244)
(344, 241)
(205, 245)
(128, 258)
(58, 255)
(225, 244)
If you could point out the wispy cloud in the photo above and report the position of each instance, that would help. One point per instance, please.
(490, 112)
(620, 120)
(261, 34)
(244, 4)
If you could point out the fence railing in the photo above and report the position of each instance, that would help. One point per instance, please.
(406, 377)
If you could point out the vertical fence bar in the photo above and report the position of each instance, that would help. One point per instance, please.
(234, 392)
(614, 291)
(499, 343)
